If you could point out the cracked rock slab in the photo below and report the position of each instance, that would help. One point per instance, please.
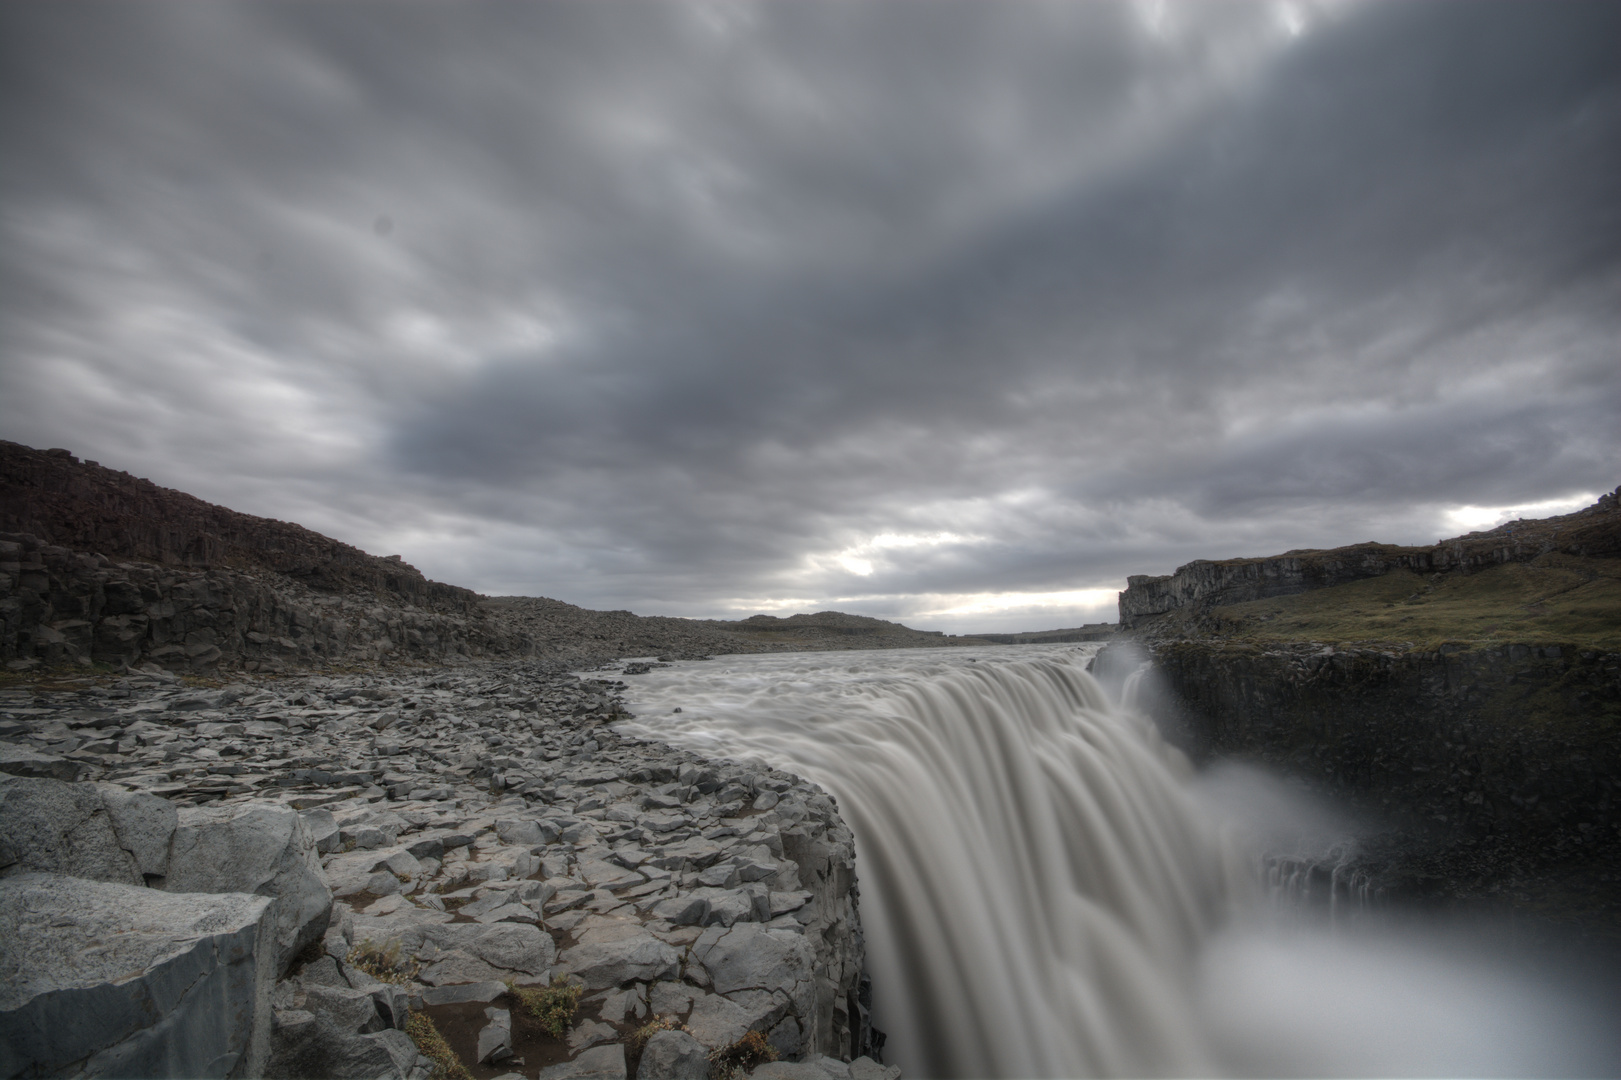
(641, 956)
(117, 980)
(259, 849)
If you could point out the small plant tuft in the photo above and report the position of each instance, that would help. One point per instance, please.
(431, 1044)
(742, 1057)
(385, 963)
(639, 1037)
(554, 1006)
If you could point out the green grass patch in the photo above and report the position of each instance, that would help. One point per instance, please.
(385, 963)
(1556, 598)
(431, 1044)
(554, 1006)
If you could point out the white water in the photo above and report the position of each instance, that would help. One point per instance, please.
(1047, 891)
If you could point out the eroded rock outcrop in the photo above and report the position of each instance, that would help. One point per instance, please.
(1594, 531)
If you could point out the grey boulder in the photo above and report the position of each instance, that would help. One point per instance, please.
(144, 825)
(309, 1045)
(259, 849)
(749, 956)
(349, 1010)
(109, 979)
(323, 829)
(48, 826)
(673, 1055)
(716, 1021)
(641, 956)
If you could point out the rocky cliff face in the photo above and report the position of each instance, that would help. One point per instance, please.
(59, 606)
(1491, 763)
(1595, 530)
(1491, 768)
(67, 503)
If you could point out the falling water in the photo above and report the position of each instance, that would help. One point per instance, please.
(1042, 878)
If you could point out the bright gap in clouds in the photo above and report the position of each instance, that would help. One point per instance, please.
(953, 613)
(1481, 518)
(858, 558)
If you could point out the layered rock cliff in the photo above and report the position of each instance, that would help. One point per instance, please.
(52, 496)
(1204, 583)
(1466, 699)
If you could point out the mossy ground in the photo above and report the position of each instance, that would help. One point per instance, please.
(1562, 599)
(429, 1042)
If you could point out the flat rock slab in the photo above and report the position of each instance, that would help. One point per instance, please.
(21, 761)
(495, 1038)
(597, 1063)
(118, 980)
(460, 993)
(640, 956)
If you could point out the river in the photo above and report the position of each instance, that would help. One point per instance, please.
(1049, 889)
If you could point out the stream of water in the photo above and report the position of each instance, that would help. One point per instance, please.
(1049, 889)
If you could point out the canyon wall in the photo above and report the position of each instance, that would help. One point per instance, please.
(1206, 583)
(59, 606)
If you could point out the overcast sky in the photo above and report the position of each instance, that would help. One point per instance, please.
(950, 313)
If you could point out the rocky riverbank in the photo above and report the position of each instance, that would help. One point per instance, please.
(331, 860)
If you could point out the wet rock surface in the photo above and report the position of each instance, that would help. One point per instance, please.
(475, 826)
(1469, 800)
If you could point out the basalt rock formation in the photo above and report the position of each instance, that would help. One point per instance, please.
(1465, 697)
(297, 871)
(84, 507)
(1594, 531)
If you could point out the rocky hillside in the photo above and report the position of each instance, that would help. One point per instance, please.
(66, 503)
(1594, 532)
(98, 566)
(1089, 632)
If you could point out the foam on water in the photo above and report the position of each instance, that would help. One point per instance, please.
(1045, 889)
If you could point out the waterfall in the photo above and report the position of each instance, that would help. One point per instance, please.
(1048, 890)
(1035, 877)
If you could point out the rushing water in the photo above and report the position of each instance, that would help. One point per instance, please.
(1048, 890)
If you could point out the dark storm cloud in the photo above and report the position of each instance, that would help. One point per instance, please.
(681, 306)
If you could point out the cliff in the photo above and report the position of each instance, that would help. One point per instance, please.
(1465, 698)
(1592, 532)
(51, 495)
